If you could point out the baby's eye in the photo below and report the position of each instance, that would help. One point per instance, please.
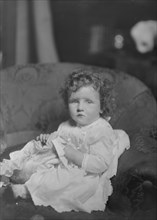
(89, 101)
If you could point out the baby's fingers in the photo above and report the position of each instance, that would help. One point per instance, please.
(43, 137)
(38, 138)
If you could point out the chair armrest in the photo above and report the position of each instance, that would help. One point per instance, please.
(21, 137)
(140, 184)
(136, 179)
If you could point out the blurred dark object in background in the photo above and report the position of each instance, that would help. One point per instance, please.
(98, 33)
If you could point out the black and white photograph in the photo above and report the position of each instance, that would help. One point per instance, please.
(78, 110)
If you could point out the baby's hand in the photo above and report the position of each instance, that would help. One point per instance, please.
(43, 138)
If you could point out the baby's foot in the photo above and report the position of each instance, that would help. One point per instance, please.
(20, 190)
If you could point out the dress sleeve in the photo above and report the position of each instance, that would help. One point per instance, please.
(100, 156)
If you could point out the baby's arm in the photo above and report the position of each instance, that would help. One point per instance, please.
(73, 155)
(97, 161)
(99, 158)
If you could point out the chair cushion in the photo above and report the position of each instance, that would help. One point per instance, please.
(30, 100)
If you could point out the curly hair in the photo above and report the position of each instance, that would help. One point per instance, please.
(83, 78)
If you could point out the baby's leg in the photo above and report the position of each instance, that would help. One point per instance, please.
(20, 176)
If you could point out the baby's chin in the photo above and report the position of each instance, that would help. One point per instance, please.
(85, 123)
(82, 123)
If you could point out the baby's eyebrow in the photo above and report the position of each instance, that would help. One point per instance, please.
(73, 99)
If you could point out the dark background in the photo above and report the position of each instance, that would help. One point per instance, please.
(73, 21)
(85, 32)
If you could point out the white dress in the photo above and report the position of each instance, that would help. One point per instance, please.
(53, 181)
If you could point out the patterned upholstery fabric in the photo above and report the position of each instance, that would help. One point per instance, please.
(30, 104)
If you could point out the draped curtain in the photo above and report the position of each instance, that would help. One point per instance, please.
(29, 30)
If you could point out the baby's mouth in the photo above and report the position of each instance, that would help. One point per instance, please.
(80, 115)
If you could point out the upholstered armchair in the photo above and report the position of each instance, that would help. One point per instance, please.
(30, 104)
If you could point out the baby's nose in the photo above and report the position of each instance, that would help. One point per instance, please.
(80, 106)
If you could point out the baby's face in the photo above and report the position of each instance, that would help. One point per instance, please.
(84, 106)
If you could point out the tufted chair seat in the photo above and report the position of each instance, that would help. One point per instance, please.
(30, 104)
